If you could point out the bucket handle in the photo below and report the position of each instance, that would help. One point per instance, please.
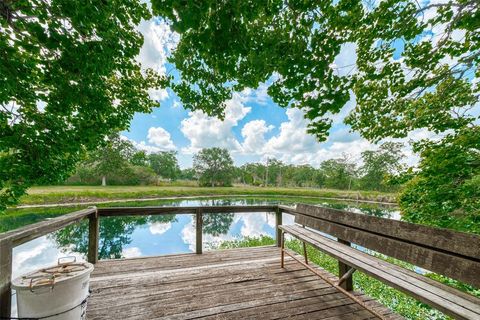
(67, 257)
(41, 282)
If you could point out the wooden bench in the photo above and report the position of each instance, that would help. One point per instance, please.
(452, 254)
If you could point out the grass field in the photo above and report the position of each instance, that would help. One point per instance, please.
(80, 194)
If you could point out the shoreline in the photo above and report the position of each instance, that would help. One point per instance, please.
(123, 200)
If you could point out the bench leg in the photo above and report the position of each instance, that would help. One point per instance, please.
(343, 269)
(346, 277)
(282, 248)
(305, 252)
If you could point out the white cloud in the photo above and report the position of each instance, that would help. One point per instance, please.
(346, 61)
(39, 253)
(160, 138)
(253, 224)
(159, 41)
(132, 252)
(294, 145)
(189, 237)
(411, 158)
(253, 134)
(176, 104)
(159, 228)
(26, 255)
(343, 135)
(206, 132)
(259, 95)
(145, 147)
(158, 94)
(41, 105)
(292, 135)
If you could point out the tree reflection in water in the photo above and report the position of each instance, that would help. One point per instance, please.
(369, 210)
(115, 233)
(216, 224)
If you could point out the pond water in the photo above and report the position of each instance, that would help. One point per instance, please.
(127, 237)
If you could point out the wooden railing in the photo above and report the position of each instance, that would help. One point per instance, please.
(14, 238)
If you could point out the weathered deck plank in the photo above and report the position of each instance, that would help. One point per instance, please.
(243, 283)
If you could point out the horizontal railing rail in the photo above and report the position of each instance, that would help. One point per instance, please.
(30, 232)
(126, 211)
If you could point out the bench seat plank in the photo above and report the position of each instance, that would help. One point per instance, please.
(437, 295)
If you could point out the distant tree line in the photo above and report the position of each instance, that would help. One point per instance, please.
(118, 162)
(372, 173)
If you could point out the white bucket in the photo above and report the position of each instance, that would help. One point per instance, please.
(59, 292)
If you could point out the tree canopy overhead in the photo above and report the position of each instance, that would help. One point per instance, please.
(414, 67)
(68, 78)
(414, 63)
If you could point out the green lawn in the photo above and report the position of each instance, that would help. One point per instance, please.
(72, 194)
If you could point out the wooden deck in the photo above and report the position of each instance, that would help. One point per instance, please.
(245, 283)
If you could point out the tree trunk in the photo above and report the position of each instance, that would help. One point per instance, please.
(104, 181)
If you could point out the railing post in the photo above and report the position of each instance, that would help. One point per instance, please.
(199, 230)
(93, 237)
(5, 279)
(343, 269)
(278, 221)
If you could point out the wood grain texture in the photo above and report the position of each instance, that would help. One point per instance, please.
(35, 230)
(400, 240)
(93, 237)
(278, 221)
(135, 211)
(437, 295)
(199, 231)
(249, 283)
(451, 241)
(343, 269)
(245, 283)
